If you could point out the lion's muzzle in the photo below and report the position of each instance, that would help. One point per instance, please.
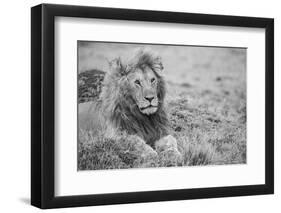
(149, 109)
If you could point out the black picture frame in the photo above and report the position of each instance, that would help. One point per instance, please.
(43, 105)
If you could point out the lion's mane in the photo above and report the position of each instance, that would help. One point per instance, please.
(119, 107)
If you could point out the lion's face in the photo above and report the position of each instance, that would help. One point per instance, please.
(143, 83)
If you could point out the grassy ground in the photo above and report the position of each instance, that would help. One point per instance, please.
(206, 104)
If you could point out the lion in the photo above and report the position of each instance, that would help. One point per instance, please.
(132, 101)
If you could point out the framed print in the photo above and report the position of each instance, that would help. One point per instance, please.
(139, 106)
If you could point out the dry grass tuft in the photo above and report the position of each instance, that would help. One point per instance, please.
(125, 151)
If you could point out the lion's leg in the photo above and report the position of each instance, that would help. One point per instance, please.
(168, 152)
(136, 148)
(148, 156)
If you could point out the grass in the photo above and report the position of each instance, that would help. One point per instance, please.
(125, 151)
(206, 106)
(210, 131)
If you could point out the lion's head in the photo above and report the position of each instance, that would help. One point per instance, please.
(133, 94)
(143, 87)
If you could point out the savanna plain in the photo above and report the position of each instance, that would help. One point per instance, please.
(205, 103)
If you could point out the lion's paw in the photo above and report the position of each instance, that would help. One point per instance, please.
(145, 155)
(168, 152)
(149, 158)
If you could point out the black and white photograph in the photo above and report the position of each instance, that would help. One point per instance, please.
(160, 105)
(138, 105)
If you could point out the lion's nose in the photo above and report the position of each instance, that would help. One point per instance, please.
(149, 98)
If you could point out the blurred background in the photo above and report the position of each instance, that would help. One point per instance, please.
(197, 65)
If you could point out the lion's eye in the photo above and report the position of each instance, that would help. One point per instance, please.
(137, 82)
(152, 80)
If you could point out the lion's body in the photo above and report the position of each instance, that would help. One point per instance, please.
(131, 101)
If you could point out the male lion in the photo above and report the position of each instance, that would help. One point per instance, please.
(131, 102)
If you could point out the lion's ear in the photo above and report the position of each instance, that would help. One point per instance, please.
(157, 65)
(117, 66)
